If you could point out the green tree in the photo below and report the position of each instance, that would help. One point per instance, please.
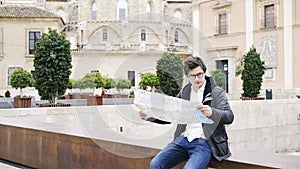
(52, 63)
(107, 82)
(252, 73)
(149, 80)
(121, 84)
(79, 84)
(70, 84)
(93, 80)
(218, 76)
(169, 70)
(21, 79)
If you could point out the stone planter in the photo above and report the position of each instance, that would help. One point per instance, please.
(22, 102)
(107, 95)
(120, 96)
(94, 100)
(76, 96)
(252, 98)
(53, 105)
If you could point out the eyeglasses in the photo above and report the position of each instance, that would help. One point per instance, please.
(199, 75)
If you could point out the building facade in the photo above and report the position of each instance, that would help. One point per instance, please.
(20, 28)
(119, 38)
(232, 26)
(124, 38)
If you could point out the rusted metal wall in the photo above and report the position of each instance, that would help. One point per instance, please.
(44, 145)
(40, 149)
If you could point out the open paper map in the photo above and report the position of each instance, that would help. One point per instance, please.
(169, 108)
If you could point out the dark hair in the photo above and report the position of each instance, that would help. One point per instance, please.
(193, 62)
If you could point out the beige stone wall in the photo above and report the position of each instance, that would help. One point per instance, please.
(65, 10)
(271, 126)
(245, 28)
(114, 64)
(15, 43)
(296, 51)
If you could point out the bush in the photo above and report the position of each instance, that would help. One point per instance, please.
(52, 63)
(21, 79)
(218, 76)
(169, 70)
(92, 80)
(148, 80)
(252, 73)
(107, 83)
(121, 84)
(78, 84)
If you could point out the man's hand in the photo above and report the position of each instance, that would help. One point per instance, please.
(205, 109)
(142, 115)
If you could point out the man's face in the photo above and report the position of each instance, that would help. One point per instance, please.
(197, 77)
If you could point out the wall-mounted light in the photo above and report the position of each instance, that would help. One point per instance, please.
(225, 68)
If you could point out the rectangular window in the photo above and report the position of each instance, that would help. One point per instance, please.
(9, 72)
(143, 35)
(34, 36)
(176, 37)
(33, 73)
(269, 16)
(94, 15)
(131, 77)
(122, 13)
(104, 35)
(222, 23)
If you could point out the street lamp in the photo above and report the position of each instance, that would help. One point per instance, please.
(225, 68)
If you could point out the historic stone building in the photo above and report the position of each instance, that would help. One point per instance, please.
(20, 28)
(118, 38)
(124, 38)
(233, 26)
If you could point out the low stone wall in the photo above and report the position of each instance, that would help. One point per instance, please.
(262, 125)
(7, 103)
(268, 125)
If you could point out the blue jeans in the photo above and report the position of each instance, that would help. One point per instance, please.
(197, 153)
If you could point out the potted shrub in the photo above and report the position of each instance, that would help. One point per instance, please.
(219, 77)
(52, 63)
(93, 80)
(149, 80)
(70, 86)
(79, 84)
(120, 85)
(107, 84)
(21, 79)
(252, 72)
(169, 71)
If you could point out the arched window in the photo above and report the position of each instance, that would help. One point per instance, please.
(94, 11)
(143, 35)
(62, 14)
(177, 15)
(148, 10)
(121, 9)
(176, 37)
(104, 35)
